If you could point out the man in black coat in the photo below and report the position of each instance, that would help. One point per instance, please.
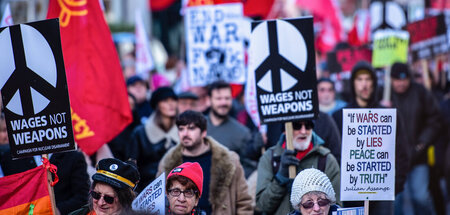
(421, 115)
(363, 87)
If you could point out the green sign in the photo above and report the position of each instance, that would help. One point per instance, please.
(390, 46)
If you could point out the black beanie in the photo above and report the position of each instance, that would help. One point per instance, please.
(161, 94)
(400, 71)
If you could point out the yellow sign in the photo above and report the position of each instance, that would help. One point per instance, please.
(390, 46)
(71, 8)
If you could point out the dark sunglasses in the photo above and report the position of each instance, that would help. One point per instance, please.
(97, 196)
(299, 125)
(310, 204)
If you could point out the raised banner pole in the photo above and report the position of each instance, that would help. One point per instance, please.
(366, 207)
(426, 77)
(290, 146)
(387, 85)
(50, 188)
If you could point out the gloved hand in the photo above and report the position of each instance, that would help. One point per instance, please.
(287, 158)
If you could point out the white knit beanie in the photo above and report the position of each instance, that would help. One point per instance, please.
(310, 180)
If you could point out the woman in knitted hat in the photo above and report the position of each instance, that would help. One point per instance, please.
(184, 188)
(312, 193)
(112, 189)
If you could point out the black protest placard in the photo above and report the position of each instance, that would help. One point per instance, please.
(344, 59)
(387, 14)
(34, 89)
(428, 37)
(282, 57)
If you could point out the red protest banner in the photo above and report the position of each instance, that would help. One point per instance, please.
(428, 37)
(25, 193)
(97, 91)
(345, 59)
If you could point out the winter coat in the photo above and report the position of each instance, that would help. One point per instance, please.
(228, 188)
(402, 153)
(274, 198)
(238, 142)
(149, 144)
(421, 114)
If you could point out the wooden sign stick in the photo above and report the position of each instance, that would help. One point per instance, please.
(289, 145)
(366, 207)
(50, 188)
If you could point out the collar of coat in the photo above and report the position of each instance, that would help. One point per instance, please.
(222, 168)
(155, 134)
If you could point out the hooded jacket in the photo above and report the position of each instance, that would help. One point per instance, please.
(373, 99)
(271, 196)
(402, 155)
(228, 188)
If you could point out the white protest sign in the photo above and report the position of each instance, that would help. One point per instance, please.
(214, 44)
(368, 154)
(152, 198)
(144, 61)
(7, 18)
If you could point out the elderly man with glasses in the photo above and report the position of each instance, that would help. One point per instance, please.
(273, 184)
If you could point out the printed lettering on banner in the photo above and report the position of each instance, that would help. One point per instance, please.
(152, 198)
(368, 154)
(214, 44)
(34, 89)
(282, 58)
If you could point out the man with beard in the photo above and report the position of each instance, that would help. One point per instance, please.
(273, 183)
(363, 87)
(224, 188)
(227, 130)
(364, 90)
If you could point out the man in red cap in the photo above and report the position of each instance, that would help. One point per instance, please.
(224, 189)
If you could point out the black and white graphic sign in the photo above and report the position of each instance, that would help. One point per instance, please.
(386, 14)
(283, 59)
(34, 89)
(214, 44)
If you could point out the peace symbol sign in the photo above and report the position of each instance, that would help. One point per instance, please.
(28, 73)
(284, 58)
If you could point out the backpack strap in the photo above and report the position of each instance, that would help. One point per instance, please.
(322, 163)
(275, 161)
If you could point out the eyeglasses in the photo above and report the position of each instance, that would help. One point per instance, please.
(298, 126)
(187, 193)
(320, 202)
(97, 196)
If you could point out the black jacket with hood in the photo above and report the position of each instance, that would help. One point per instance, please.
(402, 154)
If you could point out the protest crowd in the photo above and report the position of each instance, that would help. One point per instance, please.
(183, 115)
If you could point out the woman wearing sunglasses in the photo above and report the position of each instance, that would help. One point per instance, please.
(312, 193)
(112, 189)
(184, 187)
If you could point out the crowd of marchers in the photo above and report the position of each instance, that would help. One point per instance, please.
(217, 161)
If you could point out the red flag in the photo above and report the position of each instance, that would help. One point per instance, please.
(360, 32)
(327, 20)
(25, 193)
(159, 5)
(258, 8)
(97, 91)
